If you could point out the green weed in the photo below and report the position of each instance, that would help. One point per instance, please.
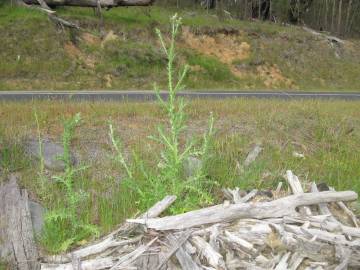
(63, 227)
(194, 190)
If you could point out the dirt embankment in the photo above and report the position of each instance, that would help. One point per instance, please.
(231, 48)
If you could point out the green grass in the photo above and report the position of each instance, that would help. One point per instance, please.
(12, 155)
(43, 60)
(3, 266)
(326, 132)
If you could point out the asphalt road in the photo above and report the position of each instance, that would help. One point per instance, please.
(149, 95)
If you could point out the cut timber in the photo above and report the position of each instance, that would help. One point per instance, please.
(225, 213)
(17, 245)
(92, 3)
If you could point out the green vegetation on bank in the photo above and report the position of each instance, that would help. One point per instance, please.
(36, 54)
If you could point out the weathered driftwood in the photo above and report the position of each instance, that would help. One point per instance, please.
(323, 208)
(213, 258)
(184, 258)
(275, 237)
(94, 264)
(296, 188)
(92, 3)
(179, 242)
(17, 245)
(278, 208)
(347, 210)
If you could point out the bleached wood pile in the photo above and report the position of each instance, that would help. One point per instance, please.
(314, 230)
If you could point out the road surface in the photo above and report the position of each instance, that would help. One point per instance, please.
(149, 95)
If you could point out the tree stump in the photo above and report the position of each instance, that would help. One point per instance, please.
(17, 245)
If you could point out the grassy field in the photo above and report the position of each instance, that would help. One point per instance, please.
(125, 54)
(326, 132)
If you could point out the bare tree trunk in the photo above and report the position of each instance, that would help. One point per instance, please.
(333, 16)
(326, 26)
(270, 10)
(246, 9)
(347, 24)
(339, 17)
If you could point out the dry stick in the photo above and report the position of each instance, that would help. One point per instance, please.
(244, 245)
(185, 260)
(53, 17)
(182, 239)
(323, 209)
(324, 224)
(126, 260)
(346, 210)
(283, 265)
(295, 261)
(296, 188)
(214, 258)
(248, 196)
(225, 213)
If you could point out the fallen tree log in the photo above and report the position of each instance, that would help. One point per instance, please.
(224, 213)
(92, 3)
(17, 245)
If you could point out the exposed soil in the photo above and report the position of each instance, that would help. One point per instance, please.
(75, 53)
(230, 47)
(272, 77)
(227, 48)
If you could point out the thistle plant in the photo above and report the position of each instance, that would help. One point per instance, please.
(170, 178)
(63, 226)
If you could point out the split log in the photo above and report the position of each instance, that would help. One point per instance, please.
(225, 213)
(92, 3)
(17, 245)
